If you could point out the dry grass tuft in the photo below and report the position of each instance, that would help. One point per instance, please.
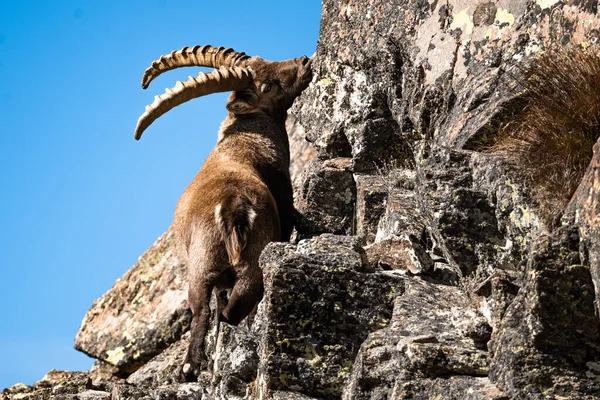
(549, 142)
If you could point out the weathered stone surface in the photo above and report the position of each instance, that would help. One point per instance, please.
(399, 254)
(463, 215)
(518, 222)
(406, 98)
(466, 220)
(548, 343)
(54, 385)
(495, 295)
(434, 334)
(234, 366)
(235, 362)
(335, 251)
(316, 314)
(439, 71)
(405, 213)
(93, 395)
(371, 198)
(279, 395)
(63, 382)
(162, 369)
(144, 312)
(103, 376)
(301, 151)
(17, 391)
(125, 391)
(452, 388)
(184, 391)
(327, 198)
(584, 211)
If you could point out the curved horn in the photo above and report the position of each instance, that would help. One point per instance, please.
(221, 80)
(201, 56)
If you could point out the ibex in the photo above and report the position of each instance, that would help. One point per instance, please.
(241, 199)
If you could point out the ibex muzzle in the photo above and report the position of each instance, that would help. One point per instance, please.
(241, 199)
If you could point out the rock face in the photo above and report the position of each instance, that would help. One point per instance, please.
(551, 324)
(422, 268)
(321, 301)
(434, 333)
(144, 311)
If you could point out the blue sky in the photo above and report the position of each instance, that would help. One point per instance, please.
(81, 199)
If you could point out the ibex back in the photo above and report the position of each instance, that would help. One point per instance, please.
(242, 197)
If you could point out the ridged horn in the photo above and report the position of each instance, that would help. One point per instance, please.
(201, 56)
(223, 79)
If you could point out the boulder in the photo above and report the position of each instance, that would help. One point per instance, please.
(424, 267)
(547, 343)
(435, 343)
(326, 199)
(144, 312)
(320, 303)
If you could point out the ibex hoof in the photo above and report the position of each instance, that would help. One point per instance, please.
(188, 373)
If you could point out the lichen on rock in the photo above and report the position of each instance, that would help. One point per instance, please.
(422, 266)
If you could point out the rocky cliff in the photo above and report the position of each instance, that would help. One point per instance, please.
(423, 266)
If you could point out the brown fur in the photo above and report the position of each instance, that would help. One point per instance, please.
(556, 122)
(240, 200)
(236, 218)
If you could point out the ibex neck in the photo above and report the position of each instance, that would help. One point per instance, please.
(255, 123)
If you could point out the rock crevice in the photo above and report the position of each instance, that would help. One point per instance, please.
(421, 266)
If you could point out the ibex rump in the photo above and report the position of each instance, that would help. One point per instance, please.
(241, 199)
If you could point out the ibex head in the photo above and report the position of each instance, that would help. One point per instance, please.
(274, 87)
(259, 86)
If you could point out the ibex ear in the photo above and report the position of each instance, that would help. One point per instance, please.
(239, 106)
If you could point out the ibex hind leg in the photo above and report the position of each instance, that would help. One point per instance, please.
(246, 293)
(195, 360)
(202, 282)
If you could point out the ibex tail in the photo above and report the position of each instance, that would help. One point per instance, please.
(235, 217)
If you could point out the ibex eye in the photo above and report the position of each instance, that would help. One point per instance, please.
(265, 88)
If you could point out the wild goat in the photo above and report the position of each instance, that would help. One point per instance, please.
(242, 197)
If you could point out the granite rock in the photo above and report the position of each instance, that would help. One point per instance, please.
(316, 314)
(144, 311)
(461, 291)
